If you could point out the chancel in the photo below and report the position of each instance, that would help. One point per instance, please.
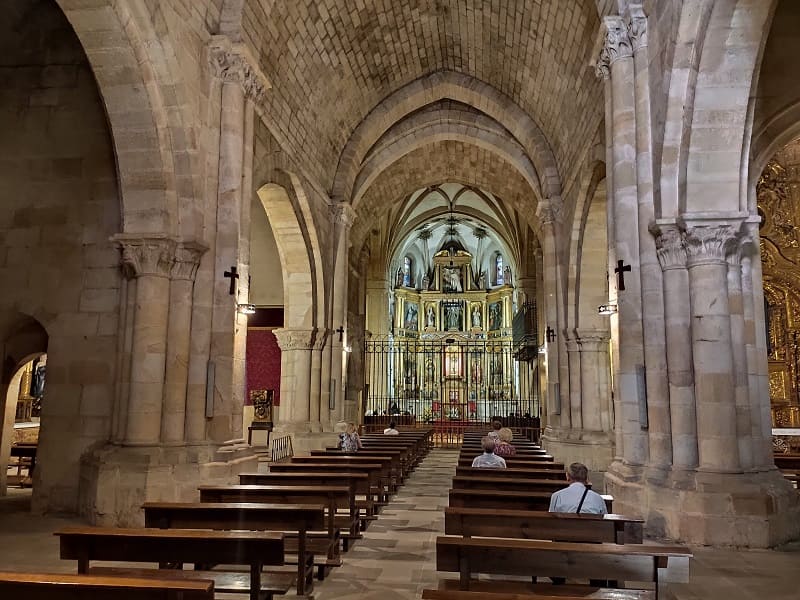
(240, 239)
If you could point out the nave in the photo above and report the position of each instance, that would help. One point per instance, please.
(396, 558)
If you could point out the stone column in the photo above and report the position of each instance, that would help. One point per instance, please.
(677, 317)
(557, 413)
(295, 345)
(594, 376)
(616, 62)
(184, 269)
(315, 393)
(575, 389)
(655, 356)
(707, 245)
(740, 381)
(149, 260)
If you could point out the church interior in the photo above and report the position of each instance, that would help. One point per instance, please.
(234, 231)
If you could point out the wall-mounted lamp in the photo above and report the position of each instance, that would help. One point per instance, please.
(543, 349)
(348, 348)
(246, 309)
(607, 309)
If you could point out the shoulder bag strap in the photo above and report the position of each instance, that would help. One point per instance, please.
(580, 505)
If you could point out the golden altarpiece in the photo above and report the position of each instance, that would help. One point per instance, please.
(780, 255)
(449, 357)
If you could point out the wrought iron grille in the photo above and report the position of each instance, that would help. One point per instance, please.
(452, 382)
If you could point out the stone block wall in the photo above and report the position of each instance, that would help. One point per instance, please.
(58, 206)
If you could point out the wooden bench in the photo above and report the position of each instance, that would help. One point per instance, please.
(509, 484)
(533, 459)
(175, 547)
(506, 500)
(541, 525)
(537, 592)
(52, 586)
(332, 497)
(300, 518)
(374, 470)
(360, 483)
(623, 562)
(389, 468)
(465, 460)
(401, 459)
(511, 473)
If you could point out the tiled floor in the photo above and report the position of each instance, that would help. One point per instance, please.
(396, 558)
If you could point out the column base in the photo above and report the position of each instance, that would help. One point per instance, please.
(115, 480)
(753, 510)
(306, 436)
(595, 449)
(625, 483)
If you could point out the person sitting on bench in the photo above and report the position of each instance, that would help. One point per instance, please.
(489, 460)
(495, 432)
(577, 498)
(391, 430)
(503, 445)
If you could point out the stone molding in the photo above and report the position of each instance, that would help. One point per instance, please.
(343, 214)
(548, 211)
(295, 339)
(637, 28)
(710, 244)
(670, 245)
(233, 64)
(142, 255)
(187, 260)
(322, 336)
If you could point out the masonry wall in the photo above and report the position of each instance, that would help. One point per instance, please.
(58, 207)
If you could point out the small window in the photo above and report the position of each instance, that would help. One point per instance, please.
(498, 270)
(407, 264)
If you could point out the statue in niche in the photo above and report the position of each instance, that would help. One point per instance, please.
(451, 280)
(476, 315)
(507, 275)
(430, 316)
(452, 316)
(426, 282)
(411, 316)
(482, 281)
(399, 281)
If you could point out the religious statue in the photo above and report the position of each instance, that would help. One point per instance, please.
(507, 275)
(476, 315)
(399, 278)
(426, 282)
(495, 316)
(482, 281)
(451, 277)
(430, 316)
(452, 317)
(411, 316)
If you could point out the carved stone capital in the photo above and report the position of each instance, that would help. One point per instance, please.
(617, 44)
(187, 260)
(142, 256)
(602, 66)
(548, 211)
(321, 337)
(670, 245)
(710, 244)
(295, 339)
(343, 214)
(233, 63)
(592, 340)
(637, 28)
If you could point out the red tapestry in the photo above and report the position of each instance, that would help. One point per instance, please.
(263, 363)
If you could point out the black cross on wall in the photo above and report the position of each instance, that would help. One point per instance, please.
(340, 331)
(620, 272)
(233, 276)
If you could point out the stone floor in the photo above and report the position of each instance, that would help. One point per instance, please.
(396, 558)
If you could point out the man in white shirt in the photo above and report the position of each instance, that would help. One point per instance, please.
(391, 430)
(488, 460)
(577, 498)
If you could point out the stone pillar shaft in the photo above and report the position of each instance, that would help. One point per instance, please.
(594, 376)
(296, 347)
(149, 260)
(623, 201)
(677, 318)
(741, 390)
(707, 246)
(575, 381)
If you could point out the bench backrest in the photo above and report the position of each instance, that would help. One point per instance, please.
(519, 484)
(360, 481)
(52, 586)
(541, 525)
(511, 473)
(234, 515)
(507, 500)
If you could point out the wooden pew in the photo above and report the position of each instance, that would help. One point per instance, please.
(514, 462)
(332, 497)
(175, 547)
(52, 586)
(565, 592)
(624, 562)
(541, 525)
(511, 473)
(301, 518)
(374, 492)
(510, 484)
(401, 459)
(506, 500)
(359, 481)
(388, 474)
